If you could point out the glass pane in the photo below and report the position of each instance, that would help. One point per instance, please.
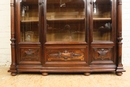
(65, 20)
(29, 21)
(102, 24)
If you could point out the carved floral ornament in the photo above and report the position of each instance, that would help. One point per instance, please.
(66, 55)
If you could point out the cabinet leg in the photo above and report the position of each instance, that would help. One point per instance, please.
(119, 73)
(44, 74)
(13, 73)
(86, 74)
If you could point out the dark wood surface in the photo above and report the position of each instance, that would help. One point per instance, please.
(67, 57)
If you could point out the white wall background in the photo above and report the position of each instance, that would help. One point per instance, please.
(5, 53)
(126, 31)
(5, 56)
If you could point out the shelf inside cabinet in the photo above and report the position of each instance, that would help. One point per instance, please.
(29, 20)
(66, 19)
(101, 19)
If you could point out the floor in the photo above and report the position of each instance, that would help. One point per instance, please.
(64, 80)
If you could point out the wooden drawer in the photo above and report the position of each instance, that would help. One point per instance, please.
(66, 54)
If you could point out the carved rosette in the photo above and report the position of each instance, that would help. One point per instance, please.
(30, 54)
(102, 54)
(65, 55)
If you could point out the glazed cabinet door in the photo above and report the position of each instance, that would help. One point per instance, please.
(65, 20)
(66, 31)
(28, 31)
(103, 32)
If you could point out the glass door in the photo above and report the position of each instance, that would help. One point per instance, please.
(102, 20)
(29, 21)
(65, 20)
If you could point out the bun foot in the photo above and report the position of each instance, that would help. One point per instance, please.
(13, 74)
(44, 74)
(86, 74)
(119, 73)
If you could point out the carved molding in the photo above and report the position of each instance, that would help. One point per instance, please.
(12, 42)
(12, 4)
(102, 54)
(30, 54)
(119, 2)
(119, 39)
(65, 55)
(12, 39)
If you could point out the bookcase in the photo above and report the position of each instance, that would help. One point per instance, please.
(66, 36)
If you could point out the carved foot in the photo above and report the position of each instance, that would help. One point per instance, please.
(86, 74)
(13, 73)
(119, 73)
(44, 74)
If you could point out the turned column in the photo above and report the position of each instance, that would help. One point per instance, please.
(119, 38)
(13, 62)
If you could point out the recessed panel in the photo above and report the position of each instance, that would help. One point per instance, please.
(30, 55)
(102, 55)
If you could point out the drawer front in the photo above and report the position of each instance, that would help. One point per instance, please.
(29, 55)
(66, 54)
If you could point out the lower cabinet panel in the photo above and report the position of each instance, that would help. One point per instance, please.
(29, 55)
(66, 55)
(102, 55)
(65, 58)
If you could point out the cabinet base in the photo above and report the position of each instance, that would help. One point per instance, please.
(85, 70)
(86, 74)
